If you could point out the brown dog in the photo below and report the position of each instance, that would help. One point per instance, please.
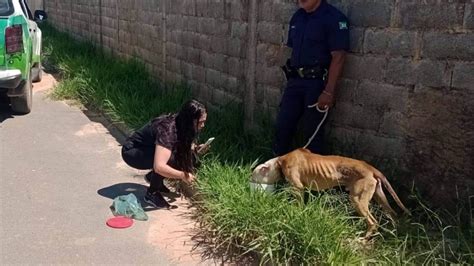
(304, 169)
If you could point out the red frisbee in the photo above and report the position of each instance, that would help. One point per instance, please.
(119, 222)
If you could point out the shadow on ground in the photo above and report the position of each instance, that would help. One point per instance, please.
(5, 109)
(139, 190)
(116, 190)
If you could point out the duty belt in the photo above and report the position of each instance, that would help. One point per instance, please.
(307, 72)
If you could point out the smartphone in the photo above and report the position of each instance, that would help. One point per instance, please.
(209, 141)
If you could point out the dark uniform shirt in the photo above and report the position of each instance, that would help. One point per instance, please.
(159, 131)
(313, 36)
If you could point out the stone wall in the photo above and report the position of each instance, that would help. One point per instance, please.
(406, 99)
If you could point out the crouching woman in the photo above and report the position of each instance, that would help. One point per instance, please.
(166, 145)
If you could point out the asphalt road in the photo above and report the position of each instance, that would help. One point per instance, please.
(59, 173)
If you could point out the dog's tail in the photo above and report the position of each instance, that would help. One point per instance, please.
(387, 185)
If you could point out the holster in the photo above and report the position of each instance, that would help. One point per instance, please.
(288, 70)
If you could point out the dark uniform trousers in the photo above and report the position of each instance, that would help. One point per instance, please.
(298, 95)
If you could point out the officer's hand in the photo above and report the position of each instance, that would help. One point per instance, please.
(325, 101)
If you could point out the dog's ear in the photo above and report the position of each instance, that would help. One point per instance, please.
(264, 169)
(279, 163)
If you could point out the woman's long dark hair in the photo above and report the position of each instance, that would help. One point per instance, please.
(187, 130)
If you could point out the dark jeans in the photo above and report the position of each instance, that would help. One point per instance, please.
(294, 103)
(142, 158)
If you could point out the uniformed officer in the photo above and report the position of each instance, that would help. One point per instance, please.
(319, 38)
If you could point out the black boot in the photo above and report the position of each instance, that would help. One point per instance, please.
(160, 185)
(156, 199)
(148, 177)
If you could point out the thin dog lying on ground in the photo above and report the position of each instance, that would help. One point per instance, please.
(304, 169)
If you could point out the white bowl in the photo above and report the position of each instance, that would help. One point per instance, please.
(262, 187)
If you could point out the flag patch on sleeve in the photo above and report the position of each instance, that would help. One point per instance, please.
(342, 25)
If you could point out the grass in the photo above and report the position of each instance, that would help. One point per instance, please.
(121, 88)
(275, 228)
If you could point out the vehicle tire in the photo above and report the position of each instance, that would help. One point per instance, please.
(23, 104)
(37, 73)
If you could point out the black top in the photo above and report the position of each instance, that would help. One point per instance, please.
(159, 131)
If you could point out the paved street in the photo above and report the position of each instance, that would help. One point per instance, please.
(59, 172)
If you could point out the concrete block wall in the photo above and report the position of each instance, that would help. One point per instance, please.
(406, 99)
(407, 96)
(272, 35)
(206, 47)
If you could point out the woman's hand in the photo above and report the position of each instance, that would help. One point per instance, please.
(189, 178)
(202, 149)
(162, 156)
